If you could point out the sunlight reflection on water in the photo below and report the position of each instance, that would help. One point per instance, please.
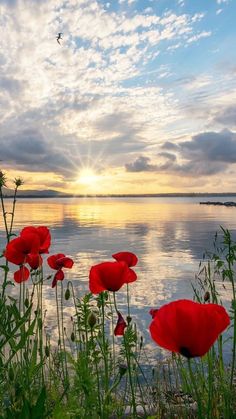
(169, 237)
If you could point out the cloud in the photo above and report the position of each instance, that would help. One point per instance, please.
(206, 153)
(141, 164)
(227, 117)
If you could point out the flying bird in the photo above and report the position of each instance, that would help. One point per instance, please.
(59, 37)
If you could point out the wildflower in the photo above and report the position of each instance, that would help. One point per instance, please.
(120, 325)
(43, 234)
(18, 182)
(188, 327)
(58, 262)
(128, 257)
(22, 250)
(110, 276)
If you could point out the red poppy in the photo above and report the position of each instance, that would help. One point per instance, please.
(120, 325)
(110, 276)
(128, 257)
(44, 236)
(19, 248)
(188, 327)
(58, 262)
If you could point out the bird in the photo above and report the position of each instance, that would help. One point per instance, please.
(59, 37)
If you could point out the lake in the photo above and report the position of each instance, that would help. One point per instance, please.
(169, 236)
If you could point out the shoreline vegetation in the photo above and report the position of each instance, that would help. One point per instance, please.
(98, 365)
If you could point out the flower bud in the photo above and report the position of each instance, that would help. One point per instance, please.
(67, 294)
(207, 296)
(92, 320)
(122, 369)
(47, 351)
(72, 336)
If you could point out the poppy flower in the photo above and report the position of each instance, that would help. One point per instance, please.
(128, 257)
(58, 262)
(19, 248)
(110, 276)
(44, 236)
(188, 327)
(120, 325)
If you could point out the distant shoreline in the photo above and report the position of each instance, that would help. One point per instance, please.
(160, 195)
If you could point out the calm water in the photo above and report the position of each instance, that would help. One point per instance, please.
(169, 236)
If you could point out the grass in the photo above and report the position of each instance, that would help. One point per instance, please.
(92, 374)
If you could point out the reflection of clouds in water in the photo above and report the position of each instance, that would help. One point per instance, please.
(169, 238)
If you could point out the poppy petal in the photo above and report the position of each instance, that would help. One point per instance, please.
(21, 275)
(109, 276)
(34, 260)
(65, 262)
(52, 260)
(128, 257)
(188, 327)
(120, 325)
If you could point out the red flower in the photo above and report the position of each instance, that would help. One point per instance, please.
(120, 325)
(44, 236)
(19, 248)
(110, 276)
(58, 262)
(128, 257)
(187, 327)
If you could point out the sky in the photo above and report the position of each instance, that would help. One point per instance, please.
(138, 96)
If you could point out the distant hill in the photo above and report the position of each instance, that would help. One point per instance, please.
(51, 193)
(47, 193)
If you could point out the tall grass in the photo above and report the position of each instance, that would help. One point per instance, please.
(90, 373)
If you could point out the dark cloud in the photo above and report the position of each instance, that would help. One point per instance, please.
(211, 147)
(169, 146)
(141, 164)
(227, 117)
(207, 153)
(29, 150)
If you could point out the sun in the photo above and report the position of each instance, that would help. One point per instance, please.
(87, 177)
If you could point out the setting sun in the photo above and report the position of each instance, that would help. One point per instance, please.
(87, 177)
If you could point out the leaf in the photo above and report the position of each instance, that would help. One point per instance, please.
(39, 408)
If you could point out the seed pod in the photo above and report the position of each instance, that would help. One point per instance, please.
(47, 351)
(129, 319)
(72, 336)
(92, 319)
(67, 294)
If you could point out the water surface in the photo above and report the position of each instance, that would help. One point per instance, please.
(169, 236)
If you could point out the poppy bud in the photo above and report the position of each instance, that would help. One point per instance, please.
(122, 369)
(207, 296)
(47, 351)
(26, 302)
(92, 320)
(67, 294)
(72, 336)
(129, 319)
(11, 374)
